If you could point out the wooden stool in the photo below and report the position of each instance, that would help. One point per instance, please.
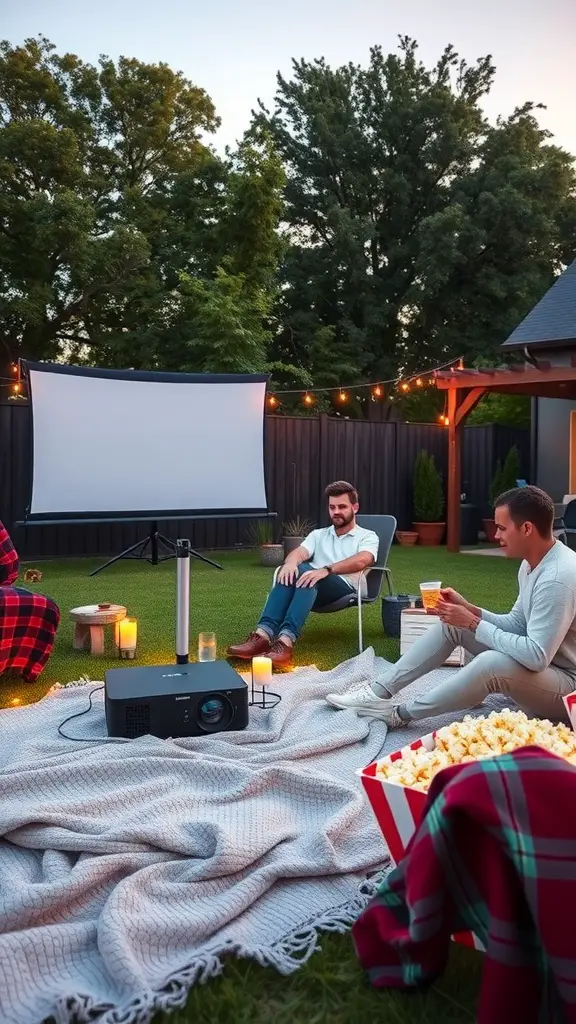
(90, 622)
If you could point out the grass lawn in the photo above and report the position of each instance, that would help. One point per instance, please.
(330, 989)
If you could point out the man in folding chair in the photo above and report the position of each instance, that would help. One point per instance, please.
(328, 565)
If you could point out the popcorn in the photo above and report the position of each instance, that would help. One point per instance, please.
(475, 738)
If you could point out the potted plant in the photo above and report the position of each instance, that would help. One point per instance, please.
(428, 501)
(293, 533)
(261, 536)
(504, 479)
(407, 538)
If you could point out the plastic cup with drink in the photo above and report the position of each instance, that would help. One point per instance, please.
(430, 594)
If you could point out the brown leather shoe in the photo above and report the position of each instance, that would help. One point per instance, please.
(281, 654)
(251, 647)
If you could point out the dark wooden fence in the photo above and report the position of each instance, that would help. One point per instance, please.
(302, 456)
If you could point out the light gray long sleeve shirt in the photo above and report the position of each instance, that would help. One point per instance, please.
(540, 630)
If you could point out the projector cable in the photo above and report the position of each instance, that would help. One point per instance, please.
(89, 739)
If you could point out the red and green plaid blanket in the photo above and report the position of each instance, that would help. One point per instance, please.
(28, 622)
(8, 558)
(494, 854)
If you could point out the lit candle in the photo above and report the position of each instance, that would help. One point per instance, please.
(127, 637)
(261, 671)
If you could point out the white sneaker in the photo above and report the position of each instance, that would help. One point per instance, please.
(367, 704)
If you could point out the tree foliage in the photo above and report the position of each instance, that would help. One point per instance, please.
(418, 231)
(124, 240)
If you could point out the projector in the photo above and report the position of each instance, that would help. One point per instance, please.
(176, 700)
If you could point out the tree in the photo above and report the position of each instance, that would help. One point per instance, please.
(417, 231)
(119, 226)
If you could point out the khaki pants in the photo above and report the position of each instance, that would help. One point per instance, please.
(539, 694)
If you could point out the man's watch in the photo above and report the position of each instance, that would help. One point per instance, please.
(328, 569)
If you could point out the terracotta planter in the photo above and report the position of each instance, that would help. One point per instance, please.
(407, 538)
(290, 544)
(490, 530)
(271, 555)
(430, 535)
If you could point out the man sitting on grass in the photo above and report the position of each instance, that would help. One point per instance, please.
(327, 565)
(528, 654)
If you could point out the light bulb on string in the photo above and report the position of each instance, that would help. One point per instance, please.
(419, 382)
(377, 391)
(16, 388)
(308, 400)
(272, 401)
(405, 387)
(14, 367)
(342, 396)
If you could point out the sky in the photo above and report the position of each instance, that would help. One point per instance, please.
(234, 50)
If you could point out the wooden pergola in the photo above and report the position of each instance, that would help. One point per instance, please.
(464, 390)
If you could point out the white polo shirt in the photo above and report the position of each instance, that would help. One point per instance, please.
(325, 547)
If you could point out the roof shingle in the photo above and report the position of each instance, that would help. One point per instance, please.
(553, 319)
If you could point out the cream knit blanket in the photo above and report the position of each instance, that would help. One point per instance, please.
(130, 870)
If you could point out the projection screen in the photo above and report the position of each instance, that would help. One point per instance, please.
(134, 445)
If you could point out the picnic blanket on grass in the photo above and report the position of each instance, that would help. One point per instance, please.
(494, 854)
(129, 870)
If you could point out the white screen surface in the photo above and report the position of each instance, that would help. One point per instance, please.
(105, 444)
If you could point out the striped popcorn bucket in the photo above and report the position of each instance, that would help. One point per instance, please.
(398, 810)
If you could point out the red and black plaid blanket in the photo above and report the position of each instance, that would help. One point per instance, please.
(8, 558)
(495, 854)
(28, 622)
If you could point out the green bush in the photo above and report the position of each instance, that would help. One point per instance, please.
(428, 490)
(505, 476)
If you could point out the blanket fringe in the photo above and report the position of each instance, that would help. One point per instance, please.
(286, 956)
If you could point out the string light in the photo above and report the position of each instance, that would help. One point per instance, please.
(14, 367)
(16, 700)
(376, 387)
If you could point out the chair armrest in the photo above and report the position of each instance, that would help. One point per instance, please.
(382, 568)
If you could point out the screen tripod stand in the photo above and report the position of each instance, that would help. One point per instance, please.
(154, 548)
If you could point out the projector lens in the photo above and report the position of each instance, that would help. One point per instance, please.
(211, 712)
(214, 712)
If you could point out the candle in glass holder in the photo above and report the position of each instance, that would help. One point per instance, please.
(261, 671)
(127, 636)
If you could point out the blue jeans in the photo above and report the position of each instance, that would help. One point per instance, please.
(288, 606)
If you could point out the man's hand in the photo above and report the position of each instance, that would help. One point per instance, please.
(456, 614)
(311, 577)
(287, 574)
(451, 596)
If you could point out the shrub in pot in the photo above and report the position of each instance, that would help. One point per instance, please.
(293, 533)
(261, 536)
(428, 499)
(504, 479)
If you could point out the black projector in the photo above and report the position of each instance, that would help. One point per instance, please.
(175, 700)
(180, 699)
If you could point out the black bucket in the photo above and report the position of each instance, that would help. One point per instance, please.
(392, 608)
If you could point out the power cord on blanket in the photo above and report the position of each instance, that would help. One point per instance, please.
(264, 703)
(88, 739)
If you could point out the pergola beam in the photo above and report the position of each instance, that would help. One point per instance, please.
(522, 376)
(465, 388)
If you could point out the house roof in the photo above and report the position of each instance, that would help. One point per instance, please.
(553, 319)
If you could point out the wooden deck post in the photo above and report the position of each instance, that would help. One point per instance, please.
(454, 473)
